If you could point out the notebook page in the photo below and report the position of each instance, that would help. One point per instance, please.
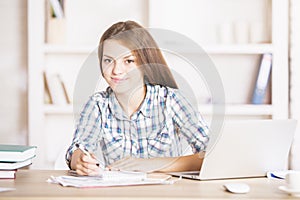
(115, 175)
(111, 178)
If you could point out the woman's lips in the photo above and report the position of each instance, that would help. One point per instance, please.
(118, 80)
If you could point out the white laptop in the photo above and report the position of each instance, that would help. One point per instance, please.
(248, 148)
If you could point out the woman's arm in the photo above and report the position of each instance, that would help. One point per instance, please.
(185, 163)
(161, 164)
(86, 133)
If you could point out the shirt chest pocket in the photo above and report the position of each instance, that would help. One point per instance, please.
(159, 143)
(112, 144)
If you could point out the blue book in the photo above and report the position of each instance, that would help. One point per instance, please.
(262, 79)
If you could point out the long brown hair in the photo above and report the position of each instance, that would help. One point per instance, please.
(144, 48)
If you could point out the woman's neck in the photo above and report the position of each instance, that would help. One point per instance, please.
(131, 101)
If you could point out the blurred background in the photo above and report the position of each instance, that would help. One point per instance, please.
(45, 44)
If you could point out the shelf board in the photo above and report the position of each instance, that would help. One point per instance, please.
(69, 49)
(58, 109)
(250, 109)
(240, 109)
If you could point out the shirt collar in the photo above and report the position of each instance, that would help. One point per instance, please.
(117, 110)
(114, 106)
(146, 104)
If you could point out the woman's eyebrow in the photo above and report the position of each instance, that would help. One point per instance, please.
(108, 56)
(127, 56)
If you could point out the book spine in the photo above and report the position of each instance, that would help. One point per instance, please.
(55, 88)
(65, 90)
(262, 79)
(48, 97)
(57, 9)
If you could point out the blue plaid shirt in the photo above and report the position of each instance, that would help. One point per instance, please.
(162, 127)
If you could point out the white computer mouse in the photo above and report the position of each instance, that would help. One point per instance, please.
(238, 188)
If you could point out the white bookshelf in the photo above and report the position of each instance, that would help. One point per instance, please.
(54, 122)
(56, 110)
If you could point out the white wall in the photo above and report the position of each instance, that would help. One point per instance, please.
(294, 79)
(13, 64)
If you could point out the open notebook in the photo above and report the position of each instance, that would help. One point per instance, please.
(111, 178)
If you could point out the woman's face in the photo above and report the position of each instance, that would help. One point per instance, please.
(119, 67)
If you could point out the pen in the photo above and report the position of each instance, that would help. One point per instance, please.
(79, 146)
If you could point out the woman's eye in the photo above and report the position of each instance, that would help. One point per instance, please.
(106, 60)
(128, 61)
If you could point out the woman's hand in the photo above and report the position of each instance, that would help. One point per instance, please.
(85, 165)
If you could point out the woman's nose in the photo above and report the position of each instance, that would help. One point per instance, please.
(118, 68)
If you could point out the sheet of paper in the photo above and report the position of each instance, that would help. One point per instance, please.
(115, 180)
(111, 175)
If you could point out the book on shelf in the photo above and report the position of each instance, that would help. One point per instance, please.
(15, 165)
(262, 80)
(55, 89)
(8, 174)
(48, 97)
(65, 90)
(16, 153)
(57, 8)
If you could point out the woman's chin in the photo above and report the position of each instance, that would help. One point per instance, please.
(120, 88)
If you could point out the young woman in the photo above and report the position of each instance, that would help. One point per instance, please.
(141, 120)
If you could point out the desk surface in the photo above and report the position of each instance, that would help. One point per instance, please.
(31, 184)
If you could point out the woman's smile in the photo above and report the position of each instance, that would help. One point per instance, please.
(119, 80)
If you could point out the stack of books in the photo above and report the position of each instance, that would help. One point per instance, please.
(14, 157)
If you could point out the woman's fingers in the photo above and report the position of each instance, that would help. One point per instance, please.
(87, 169)
(87, 166)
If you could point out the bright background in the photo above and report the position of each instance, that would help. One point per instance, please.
(214, 24)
